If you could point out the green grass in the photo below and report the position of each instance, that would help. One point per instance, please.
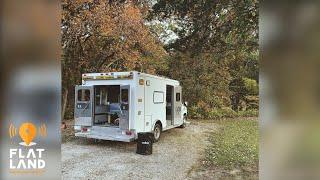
(235, 145)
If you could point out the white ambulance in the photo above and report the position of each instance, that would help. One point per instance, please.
(119, 105)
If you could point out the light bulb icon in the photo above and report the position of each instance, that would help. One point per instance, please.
(27, 132)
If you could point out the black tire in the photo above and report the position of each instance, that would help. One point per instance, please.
(183, 125)
(157, 132)
(184, 122)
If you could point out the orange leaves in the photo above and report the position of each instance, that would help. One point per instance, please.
(132, 14)
(103, 36)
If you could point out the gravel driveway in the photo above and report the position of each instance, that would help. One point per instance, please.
(177, 151)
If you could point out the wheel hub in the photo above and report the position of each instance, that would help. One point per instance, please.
(157, 132)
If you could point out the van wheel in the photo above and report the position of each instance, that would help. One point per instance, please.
(184, 122)
(183, 125)
(157, 132)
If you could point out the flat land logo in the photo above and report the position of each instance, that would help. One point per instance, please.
(27, 159)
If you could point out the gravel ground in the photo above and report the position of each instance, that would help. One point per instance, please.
(174, 156)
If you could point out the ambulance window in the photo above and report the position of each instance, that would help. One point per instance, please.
(84, 95)
(178, 97)
(158, 97)
(124, 95)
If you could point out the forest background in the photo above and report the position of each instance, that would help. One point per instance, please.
(210, 46)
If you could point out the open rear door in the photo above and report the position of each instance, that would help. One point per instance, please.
(83, 106)
(125, 106)
(177, 106)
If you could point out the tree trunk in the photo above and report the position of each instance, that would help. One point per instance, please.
(64, 103)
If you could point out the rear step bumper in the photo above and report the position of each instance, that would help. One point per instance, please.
(106, 133)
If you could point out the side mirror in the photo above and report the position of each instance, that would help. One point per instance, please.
(186, 103)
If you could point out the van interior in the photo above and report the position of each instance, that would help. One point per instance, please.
(169, 105)
(107, 105)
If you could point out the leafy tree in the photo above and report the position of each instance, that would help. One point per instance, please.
(103, 36)
(218, 41)
(211, 26)
(204, 79)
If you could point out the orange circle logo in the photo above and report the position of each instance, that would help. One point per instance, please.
(27, 132)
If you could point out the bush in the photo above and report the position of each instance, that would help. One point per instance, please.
(251, 86)
(69, 113)
(252, 102)
(221, 113)
(197, 112)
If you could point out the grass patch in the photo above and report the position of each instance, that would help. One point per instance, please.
(235, 145)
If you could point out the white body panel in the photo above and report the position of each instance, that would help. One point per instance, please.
(144, 90)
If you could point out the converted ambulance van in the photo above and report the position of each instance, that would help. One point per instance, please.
(119, 105)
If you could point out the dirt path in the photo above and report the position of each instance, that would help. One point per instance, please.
(173, 156)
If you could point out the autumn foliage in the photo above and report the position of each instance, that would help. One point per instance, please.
(214, 56)
(103, 36)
